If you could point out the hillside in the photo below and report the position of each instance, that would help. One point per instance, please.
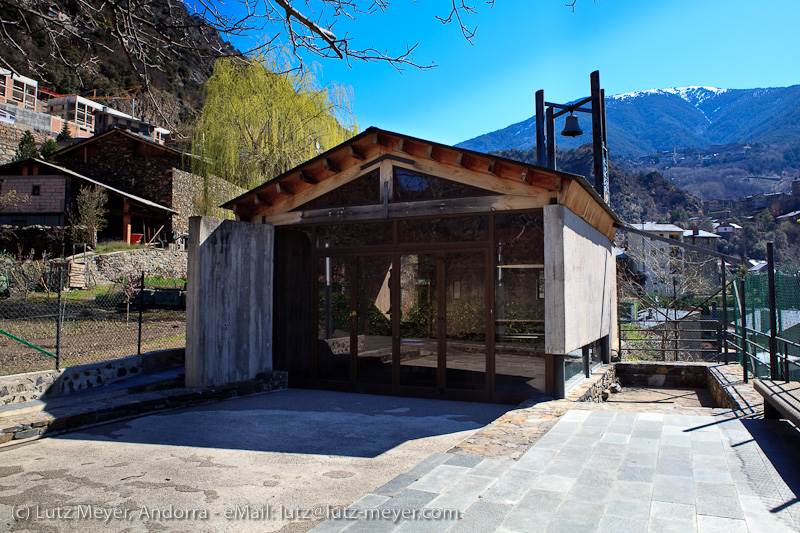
(648, 122)
(636, 198)
(176, 78)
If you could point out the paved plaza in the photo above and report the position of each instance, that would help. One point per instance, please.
(606, 471)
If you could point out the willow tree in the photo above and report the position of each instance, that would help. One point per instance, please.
(258, 122)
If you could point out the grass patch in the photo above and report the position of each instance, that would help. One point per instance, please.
(115, 246)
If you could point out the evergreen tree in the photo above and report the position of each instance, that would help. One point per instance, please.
(65, 134)
(26, 147)
(49, 148)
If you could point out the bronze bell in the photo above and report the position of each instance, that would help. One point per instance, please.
(571, 127)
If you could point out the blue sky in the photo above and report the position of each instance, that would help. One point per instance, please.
(525, 45)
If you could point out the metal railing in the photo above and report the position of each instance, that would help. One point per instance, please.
(44, 325)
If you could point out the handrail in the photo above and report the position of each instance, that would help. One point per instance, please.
(26, 343)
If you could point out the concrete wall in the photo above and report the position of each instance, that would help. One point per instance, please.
(580, 282)
(228, 301)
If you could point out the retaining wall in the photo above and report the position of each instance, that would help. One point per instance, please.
(50, 383)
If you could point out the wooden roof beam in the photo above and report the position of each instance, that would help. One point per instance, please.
(305, 177)
(282, 188)
(376, 139)
(330, 165)
(261, 199)
(356, 152)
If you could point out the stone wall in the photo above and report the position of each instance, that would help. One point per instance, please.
(186, 194)
(56, 241)
(51, 383)
(10, 136)
(671, 375)
(152, 261)
(591, 390)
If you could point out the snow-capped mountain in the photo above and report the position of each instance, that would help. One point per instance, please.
(646, 122)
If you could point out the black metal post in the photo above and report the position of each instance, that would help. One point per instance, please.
(551, 138)
(598, 147)
(773, 314)
(585, 357)
(743, 310)
(141, 311)
(540, 147)
(724, 311)
(605, 349)
(59, 316)
(785, 362)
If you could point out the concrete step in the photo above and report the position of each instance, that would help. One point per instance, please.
(169, 378)
(125, 399)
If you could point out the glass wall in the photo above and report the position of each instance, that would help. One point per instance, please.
(519, 303)
(374, 318)
(334, 318)
(435, 303)
(419, 320)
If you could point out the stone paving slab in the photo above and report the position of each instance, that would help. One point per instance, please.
(582, 466)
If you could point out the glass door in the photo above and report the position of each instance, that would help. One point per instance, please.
(419, 320)
(334, 319)
(465, 324)
(374, 321)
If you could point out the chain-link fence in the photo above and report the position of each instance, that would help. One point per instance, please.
(46, 325)
(753, 291)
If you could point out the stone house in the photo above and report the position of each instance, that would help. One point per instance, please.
(146, 169)
(395, 265)
(50, 191)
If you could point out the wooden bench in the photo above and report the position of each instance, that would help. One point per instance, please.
(781, 400)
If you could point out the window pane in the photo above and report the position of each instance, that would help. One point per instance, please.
(358, 234)
(411, 186)
(448, 229)
(333, 352)
(365, 190)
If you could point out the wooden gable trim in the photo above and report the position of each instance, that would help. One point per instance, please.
(576, 199)
(465, 175)
(480, 204)
(358, 156)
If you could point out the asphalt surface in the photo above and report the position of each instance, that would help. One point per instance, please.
(269, 462)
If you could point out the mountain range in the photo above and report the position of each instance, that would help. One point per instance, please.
(648, 122)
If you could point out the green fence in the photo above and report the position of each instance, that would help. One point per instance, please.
(755, 292)
(44, 324)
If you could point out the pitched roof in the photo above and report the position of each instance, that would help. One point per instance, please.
(117, 131)
(81, 177)
(494, 173)
(656, 227)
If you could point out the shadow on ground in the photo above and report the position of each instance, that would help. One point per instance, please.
(302, 422)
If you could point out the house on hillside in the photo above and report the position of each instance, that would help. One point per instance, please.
(51, 191)
(146, 169)
(391, 264)
(658, 262)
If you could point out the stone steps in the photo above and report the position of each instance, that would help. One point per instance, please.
(125, 399)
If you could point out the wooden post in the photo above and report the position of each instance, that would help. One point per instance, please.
(126, 222)
(540, 148)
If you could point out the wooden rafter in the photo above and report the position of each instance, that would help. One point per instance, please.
(356, 152)
(282, 188)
